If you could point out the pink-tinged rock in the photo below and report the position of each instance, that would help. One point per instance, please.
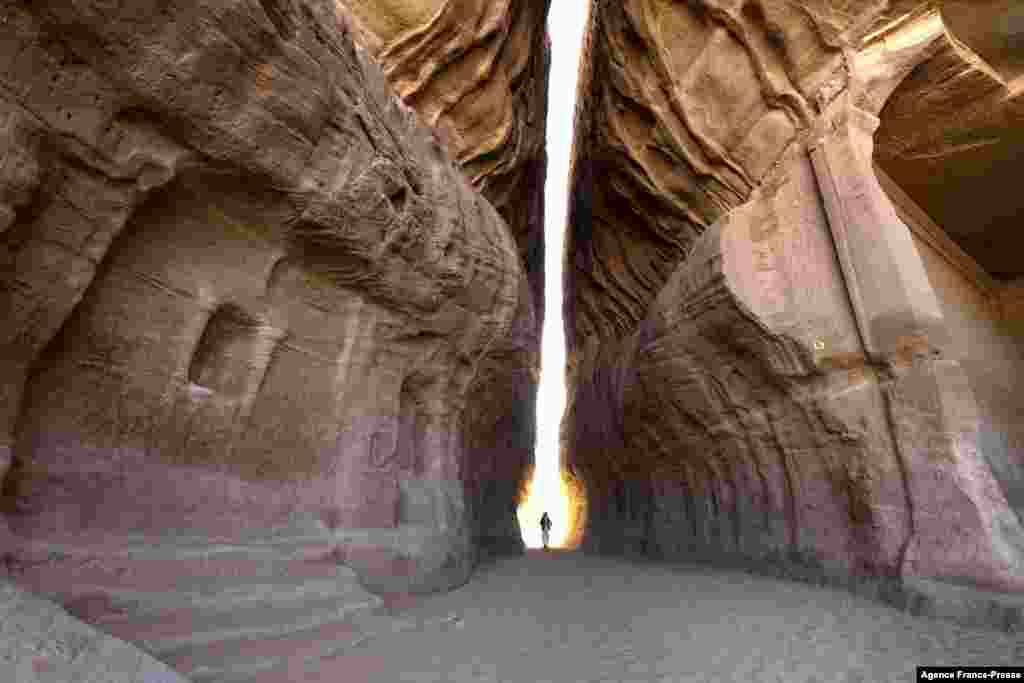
(762, 364)
(247, 299)
(752, 350)
(964, 529)
(261, 325)
(43, 643)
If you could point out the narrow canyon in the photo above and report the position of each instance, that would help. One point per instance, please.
(272, 298)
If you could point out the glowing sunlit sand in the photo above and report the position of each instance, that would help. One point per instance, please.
(556, 494)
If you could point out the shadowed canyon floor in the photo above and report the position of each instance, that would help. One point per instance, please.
(566, 616)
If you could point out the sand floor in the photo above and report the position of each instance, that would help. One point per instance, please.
(564, 617)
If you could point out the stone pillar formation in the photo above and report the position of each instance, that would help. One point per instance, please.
(961, 523)
(896, 310)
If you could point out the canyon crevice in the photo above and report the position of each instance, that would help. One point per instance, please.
(271, 292)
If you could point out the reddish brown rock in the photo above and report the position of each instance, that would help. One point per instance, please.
(762, 366)
(990, 33)
(476, 72)
(245, 236)
(246, 297)
(952, 180)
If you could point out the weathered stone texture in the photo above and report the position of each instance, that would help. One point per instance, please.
(476, 72)
(950, 143)
(40, 642)
(992, 32)
(500, 432)
(949, 119)
(759, 366)
(990, 352)
(685, 108)
(242, 288)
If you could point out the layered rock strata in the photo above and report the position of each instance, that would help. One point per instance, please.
(476, 72)
(246, 294)
(760, 368)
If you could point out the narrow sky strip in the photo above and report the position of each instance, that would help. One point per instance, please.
(566, 24)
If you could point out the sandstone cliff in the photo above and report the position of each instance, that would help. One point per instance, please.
(476, 72)
(951, 139)
(760, 368)
(246, 294)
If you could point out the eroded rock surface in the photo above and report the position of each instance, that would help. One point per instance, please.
(476, 73)
(685, 107)
(40, 642)
(992, 31)
(760, 367)
(244, 291)
(956, 171)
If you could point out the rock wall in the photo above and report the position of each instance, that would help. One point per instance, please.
(759, 366)
(477, 73)
(991, 32)
(974, 137)
(65, 649)
(245, 291)
(971, 142)
(992, 355)
(684, 108)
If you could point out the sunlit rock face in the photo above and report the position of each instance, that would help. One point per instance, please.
(761, 367)
(476, 73)
(246, 294)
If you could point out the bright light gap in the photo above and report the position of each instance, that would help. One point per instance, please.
(548, 492)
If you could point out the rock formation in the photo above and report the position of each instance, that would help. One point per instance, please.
(247, 297)
(476, 72)
(960, 168)
(41, 642)
(765, 363)
(271, 302)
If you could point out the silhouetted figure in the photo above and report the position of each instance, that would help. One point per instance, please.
(545, 528)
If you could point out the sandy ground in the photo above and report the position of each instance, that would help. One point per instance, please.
(564, 617)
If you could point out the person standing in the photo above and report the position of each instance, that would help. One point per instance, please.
(545, 529)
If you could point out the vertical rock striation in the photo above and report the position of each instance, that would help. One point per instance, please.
(759, 366)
